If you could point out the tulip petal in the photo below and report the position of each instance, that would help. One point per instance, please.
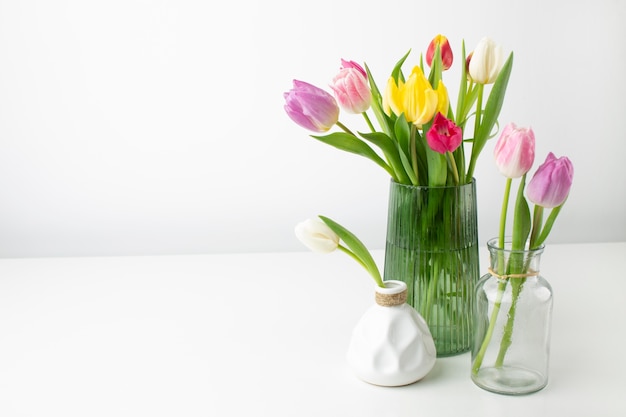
(551, 184)
(317, 236)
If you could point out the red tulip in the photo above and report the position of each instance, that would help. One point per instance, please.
(446, 52)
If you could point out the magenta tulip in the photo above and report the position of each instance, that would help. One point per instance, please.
(515, 151)
(351, 88)
(550, 185)
(444, 136)
(311, 107)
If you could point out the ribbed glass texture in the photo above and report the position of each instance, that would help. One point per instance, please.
(510, 353)
(432, 245)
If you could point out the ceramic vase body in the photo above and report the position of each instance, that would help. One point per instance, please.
(432, 245)
(391, 344)
(511, 349)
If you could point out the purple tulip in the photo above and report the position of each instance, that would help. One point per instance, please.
(311, 107)
(550, 185)
(351, 88)
(515, 151)
(444, 136)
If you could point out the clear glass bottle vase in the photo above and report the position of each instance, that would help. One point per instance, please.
(512, 323)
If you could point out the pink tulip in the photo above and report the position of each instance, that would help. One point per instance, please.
(351, 64)
(444, 136)
(550, 185)
(311, 107)
(444, 47)
(351, 88)
(515, 151)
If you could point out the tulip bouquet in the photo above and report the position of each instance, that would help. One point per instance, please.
(420, 138)
(548, 189)
(421, 143)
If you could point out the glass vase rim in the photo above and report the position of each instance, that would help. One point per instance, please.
(471, 183)
(493, 244)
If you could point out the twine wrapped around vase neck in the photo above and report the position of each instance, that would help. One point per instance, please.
(390, 300)
(530, 273)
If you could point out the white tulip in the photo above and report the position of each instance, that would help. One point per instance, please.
(486, 62)
(317, 236)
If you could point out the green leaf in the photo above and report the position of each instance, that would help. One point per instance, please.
(436, 68)
(389, 148)
(470, 99)
(402, 130)
(357, 247)
(407, 166)
(460, 104)
(385, 121)
(437, 168)
(397, 69)
(349, 143)
(548, 226)
(521, 219)
(493, 106)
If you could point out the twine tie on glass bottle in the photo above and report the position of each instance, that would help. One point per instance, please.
(507, 276)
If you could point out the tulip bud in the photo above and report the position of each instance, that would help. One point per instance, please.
(444, 136)
(351, 88)
(311, 107)
(444, 47)
(317, 236)
(550, 185)
(486, 62)
(515, 151)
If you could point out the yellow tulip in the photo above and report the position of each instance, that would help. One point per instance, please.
(443, 101)
(416, 98)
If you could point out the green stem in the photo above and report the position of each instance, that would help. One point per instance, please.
(479, 109)
(374, 274)
(492, 324)
(516, 266)
(345, 128)
(548, 226)
(477, 120)
(459, 156)
(455, 171)
(505, 206)
(505, 343)
(352, 255)
(369, 122)
(537, 222)
(432, 287)
(501, 285)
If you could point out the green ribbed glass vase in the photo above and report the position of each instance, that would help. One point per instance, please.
(432, 245)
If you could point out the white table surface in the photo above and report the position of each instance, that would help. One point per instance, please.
(266, 335)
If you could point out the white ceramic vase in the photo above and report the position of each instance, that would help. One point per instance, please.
(391, 344)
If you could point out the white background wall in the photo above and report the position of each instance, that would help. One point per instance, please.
(157, 127)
